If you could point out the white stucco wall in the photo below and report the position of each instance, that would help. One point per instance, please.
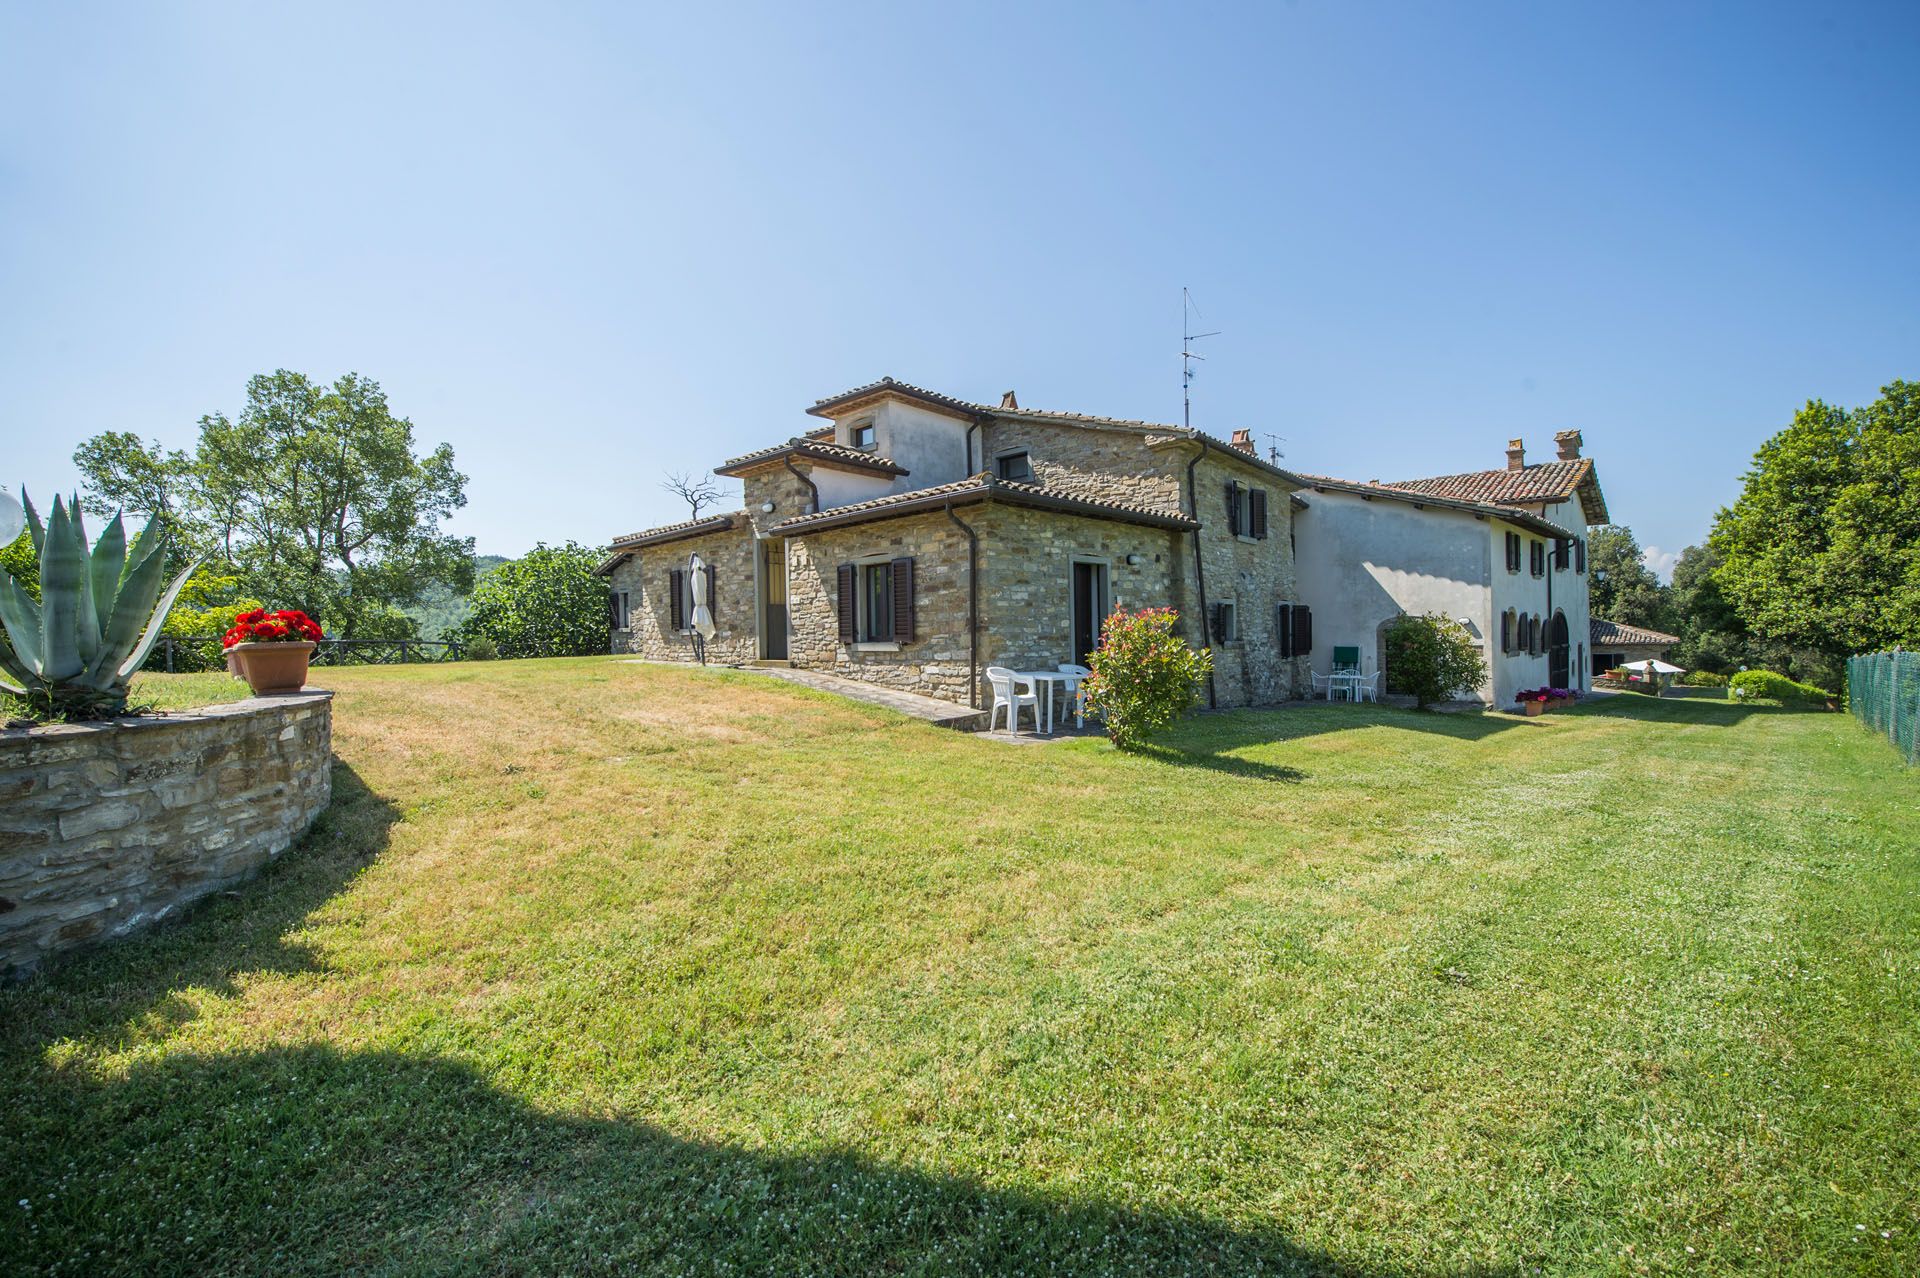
(1561, 590)
(844, 487)
(931, 446)
(1361, 562)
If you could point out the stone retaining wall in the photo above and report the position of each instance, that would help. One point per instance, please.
(108, 827)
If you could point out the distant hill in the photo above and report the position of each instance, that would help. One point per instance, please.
(439, 610)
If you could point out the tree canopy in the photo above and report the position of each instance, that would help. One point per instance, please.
(547, 603)
(313, 494)
(1821, 551)
(1620, 585)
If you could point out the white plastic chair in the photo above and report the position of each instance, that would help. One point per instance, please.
(1005, 693)
(1073, 690)
(1369, 687)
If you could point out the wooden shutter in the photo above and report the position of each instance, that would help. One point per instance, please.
(1257, 511)
(1233, 507)
(1506, 631)
(613, 610)
(1283, 629)
(677, 599)
(1302, 630)
(849, 604)
(1579, 554)
(713, 597)
(903, 601)
(1562, 553)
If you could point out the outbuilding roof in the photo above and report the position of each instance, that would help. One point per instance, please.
(624, 546)
(980, 488)
(1616, 634)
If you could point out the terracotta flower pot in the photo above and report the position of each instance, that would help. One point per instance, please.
(271, 668)
(1534, 709)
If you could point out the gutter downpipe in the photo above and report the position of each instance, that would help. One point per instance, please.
(973, 604)
(1199, 568)
(800, 475)
(972, 426)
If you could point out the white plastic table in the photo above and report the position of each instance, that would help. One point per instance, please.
(1053, 679)
(1348, 681)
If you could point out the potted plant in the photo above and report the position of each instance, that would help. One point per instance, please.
(270, 650)
(1533, 702)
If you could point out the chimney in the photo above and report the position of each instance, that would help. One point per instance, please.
(1242, 440)
(1008, 401)
(1569, 441)
(1516, 454)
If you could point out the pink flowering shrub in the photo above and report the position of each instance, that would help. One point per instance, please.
(1144, 675)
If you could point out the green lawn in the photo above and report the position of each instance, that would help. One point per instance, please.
(598, 967)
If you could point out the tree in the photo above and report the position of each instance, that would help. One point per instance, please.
(1433, 658)
(1712, 636)
(547, 603)
(1821, 551)
(698, 492)
(119, 472)
(1620, 585)
(313, 494)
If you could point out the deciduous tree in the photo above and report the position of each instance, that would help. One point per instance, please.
(547, 603)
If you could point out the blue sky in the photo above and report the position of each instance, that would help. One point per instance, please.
(590, 245)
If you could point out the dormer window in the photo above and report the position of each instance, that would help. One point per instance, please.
(861, 436)
(1017, 467)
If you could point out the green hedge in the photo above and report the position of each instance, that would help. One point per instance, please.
(1764, 685)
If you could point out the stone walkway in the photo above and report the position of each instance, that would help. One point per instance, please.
(942, 714)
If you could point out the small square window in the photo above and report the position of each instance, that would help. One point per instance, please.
(861, 436)
(1017, 467)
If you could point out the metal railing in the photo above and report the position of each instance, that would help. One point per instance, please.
(1883, 691)
(203, 652)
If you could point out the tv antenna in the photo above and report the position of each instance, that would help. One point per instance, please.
(1188, 313)
(1273, 447)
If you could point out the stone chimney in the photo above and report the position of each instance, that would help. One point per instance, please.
(1569, 442)
(1242, 440)
(1008, 401)
(1516, 454)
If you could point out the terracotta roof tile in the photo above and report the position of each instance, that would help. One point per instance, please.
(1603, 632)
(1399, 492)
(624, 546)
(1542, 483)
(818, 450)
(823, 407)
(976, 488)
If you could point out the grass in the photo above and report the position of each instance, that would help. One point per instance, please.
(598, 967)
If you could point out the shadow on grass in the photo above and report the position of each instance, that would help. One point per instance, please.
(209, 943)
(1690, 710)
(311, 1160)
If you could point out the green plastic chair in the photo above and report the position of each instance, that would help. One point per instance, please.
(1345, 659)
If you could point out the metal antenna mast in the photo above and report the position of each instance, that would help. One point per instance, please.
(1187, 338)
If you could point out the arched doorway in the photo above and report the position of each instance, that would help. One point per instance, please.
(1558, 671)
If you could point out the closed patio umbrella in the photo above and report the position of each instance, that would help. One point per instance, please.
(703, 627)
(13, 518)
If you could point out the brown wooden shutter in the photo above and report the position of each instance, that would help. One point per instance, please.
(677, 599)
(713, 597)
(849, 606)
(1257, 511)
(1579, 554)
(903, 601)
(1283, 629)
(1233, 507)
(1302, 630)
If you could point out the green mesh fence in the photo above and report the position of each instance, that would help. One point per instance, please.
(1883, 691)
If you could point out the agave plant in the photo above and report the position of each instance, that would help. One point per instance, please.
(72, 652)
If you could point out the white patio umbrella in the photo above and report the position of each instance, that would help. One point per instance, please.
(1651, 666)
(13, 517)
(702, 614)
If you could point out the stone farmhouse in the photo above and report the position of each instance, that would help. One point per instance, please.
(915, 539)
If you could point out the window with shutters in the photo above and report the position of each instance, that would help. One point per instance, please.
(1562, 553)
(677, 599)
(1226, 622)
(1017, 467)
(1246, 511)
(1506, 631)
(876, 603)
(1519, 634)
(1533, 636)
(1580, 555)
(621, 615)
(1513, 552)
(1293, 626)
(1537, 561)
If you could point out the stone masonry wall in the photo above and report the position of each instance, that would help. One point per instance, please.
(1257, 576)
(1026, 601)
(935, 663)
(1104, 465)
(645, 578)
(106, 828)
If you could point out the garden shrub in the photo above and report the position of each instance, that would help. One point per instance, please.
(480, 648)
(1144, 675)
(1432, 658)
(205, 611)
(1765, 685)
(1702, 679)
